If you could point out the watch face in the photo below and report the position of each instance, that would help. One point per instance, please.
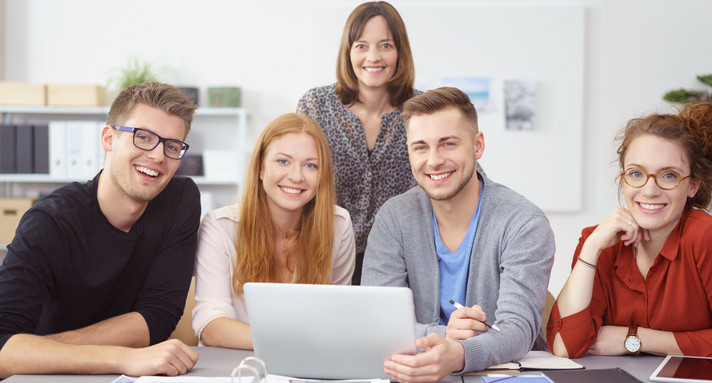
(632, 344)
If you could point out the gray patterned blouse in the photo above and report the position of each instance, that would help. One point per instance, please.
(363, 181)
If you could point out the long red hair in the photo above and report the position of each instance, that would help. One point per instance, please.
(311, 253)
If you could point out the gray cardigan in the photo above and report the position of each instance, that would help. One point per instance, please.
(509, 270)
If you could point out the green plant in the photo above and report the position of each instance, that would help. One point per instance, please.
(683, 95)
(135, 72)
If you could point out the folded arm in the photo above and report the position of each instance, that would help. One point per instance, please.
(124, 330)
(577, 293)
(33, 354)
(609, 341)
(216, 321)
(226, 332)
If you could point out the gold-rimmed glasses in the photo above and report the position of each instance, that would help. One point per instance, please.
(666, 179)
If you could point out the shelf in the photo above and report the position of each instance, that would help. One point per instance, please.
(44, 178)
(38, 178)
(214, 129)
(20, 109)
(219, 111)
(200, 180)
(104, 110)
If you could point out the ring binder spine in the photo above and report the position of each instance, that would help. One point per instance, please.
(253, 366)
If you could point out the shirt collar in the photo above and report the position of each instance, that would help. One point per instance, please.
(671, 246)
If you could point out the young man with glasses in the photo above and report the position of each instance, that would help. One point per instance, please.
(458, 237)
(96, 277)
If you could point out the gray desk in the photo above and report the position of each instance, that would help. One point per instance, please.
(639, 366)
(216, 361)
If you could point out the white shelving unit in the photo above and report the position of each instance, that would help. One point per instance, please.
(221, 129)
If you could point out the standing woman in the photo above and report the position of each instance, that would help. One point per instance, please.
(641, 280)
(287, 229)
(360, 115)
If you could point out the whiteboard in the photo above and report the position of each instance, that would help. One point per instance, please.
(544, 44)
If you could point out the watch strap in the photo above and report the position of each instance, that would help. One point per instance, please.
(632, 330)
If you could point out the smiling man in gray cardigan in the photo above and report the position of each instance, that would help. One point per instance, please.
(459, 236)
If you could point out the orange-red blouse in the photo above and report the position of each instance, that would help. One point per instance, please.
(676, 295)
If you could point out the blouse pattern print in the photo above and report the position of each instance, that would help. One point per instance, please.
(363, 181)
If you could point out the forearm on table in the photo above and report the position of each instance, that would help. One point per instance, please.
(226, 332)
(658, 342)
(32, 354)
(128, 330)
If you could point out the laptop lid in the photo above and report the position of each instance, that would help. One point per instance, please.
(327, 331)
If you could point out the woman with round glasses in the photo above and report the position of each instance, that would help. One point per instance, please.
(641, 280)
(286, 229)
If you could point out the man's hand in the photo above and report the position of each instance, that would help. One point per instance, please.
(465, 322)
(171, 357)
(440, 358)
(610, 341)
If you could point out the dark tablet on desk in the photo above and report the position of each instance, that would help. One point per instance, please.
(673, 368)
(605, 375)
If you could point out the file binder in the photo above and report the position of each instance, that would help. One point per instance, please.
(57, 158)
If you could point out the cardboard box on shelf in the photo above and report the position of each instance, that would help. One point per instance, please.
(75, 95)
(11, 210)
(22, 93)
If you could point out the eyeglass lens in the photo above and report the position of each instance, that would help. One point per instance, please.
(665, 179)
(148, 140)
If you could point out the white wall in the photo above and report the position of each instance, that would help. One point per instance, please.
(635, 51)
(3, 34)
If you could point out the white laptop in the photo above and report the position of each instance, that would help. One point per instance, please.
(327, 331)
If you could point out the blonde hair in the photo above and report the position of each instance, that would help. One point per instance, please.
(311, 253)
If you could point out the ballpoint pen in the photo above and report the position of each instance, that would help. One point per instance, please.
(492, 326)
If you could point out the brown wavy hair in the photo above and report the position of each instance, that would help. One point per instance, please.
(400, 86)
(692, 129)
(439, 99)
(156, 95)
(310, 255)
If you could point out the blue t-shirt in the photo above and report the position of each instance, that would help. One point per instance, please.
(454, 267)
